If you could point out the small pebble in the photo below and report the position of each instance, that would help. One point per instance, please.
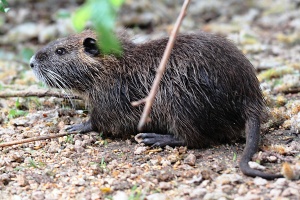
(281, 183)
(242, 190)
(140, 150)
(259, 181)
(290, 191)
(22, 181)
(37, 195)
(250, 196)
(173, 158)
(165, 162)
(228, 178)
(182, 150)
(190, 160)
(214, 195)
(196, 179)
(78, 181)
(4, 178)
(157, 196)
(120, 195)
(198, 192)
(272, 158)
(275, 193)
(255, 165)
(165, 185)
(17, 157)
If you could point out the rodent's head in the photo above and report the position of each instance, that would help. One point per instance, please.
(67, 63)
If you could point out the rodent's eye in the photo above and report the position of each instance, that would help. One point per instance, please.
(60, 51)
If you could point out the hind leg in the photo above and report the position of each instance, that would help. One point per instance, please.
(158, 140)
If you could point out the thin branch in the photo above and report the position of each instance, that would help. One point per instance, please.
(139, 102)
(37, 138)
(35, 93)
(291, 90)
(161, 69)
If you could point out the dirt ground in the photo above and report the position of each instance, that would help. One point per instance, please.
(90, 166)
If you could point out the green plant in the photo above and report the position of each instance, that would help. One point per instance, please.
(102, 164)
(102, 14)
(13, 113)
(33, 163)
(136, 194)
(234, 156)
(18, 168)
(70, 139)
(100, 140)
(16, 112)
(105, 143)
(4, 6)
(109, 197)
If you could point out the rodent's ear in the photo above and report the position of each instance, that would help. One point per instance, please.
(90, 46)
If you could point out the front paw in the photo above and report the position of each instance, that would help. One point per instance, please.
(80, 128)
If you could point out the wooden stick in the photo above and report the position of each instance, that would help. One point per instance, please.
(161, 69)
(35, 93)
(37, 138)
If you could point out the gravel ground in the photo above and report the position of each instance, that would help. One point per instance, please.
(91, 166)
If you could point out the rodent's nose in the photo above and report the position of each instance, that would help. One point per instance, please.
(32, 59)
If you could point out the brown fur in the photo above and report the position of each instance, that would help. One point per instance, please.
(208, 94)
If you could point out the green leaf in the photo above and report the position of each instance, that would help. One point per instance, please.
(3, 6)
(104, 25)
(102, 14)
(17, 104)
(108, 42)
(13, 113)
(4, 2)
(81, 16)
(117, 3)
(234, 156)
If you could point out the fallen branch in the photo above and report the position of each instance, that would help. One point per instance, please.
(35, 93)
(37, 138)
(161, 69)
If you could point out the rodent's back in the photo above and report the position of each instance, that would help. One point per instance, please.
(206, 95)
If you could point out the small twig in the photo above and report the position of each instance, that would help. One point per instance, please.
(37, 138)
(161, 69)
(139, 102)
(291, 90)
(35, 93)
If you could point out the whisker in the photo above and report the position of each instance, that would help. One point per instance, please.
(59, 82)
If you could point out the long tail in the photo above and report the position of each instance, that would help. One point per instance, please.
(252, 141)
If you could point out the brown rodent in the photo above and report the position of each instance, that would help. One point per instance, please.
(209, 93)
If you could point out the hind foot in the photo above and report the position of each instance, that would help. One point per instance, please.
(158, 140)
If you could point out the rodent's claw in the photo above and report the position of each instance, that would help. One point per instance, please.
(158, 140)
(74, 128)
(80, 128)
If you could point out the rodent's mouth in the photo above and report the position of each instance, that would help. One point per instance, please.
(48, 77)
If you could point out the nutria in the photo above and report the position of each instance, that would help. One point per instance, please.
(209, 93)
